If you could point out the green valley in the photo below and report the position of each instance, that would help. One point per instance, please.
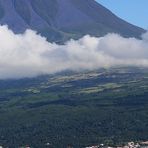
(77, 108)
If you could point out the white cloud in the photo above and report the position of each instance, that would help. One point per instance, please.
(29, 54)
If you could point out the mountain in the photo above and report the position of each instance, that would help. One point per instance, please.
(59, 20)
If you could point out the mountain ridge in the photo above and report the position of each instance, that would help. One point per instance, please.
(60, 20)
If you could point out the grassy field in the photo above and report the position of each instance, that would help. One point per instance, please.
(85, 108)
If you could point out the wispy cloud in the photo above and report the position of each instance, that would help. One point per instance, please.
(29, 54)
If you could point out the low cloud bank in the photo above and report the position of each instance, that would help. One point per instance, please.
(29, 54)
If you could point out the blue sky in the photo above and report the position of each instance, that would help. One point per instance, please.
(133, 11)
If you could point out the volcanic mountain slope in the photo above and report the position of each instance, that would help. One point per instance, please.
(59, 20)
